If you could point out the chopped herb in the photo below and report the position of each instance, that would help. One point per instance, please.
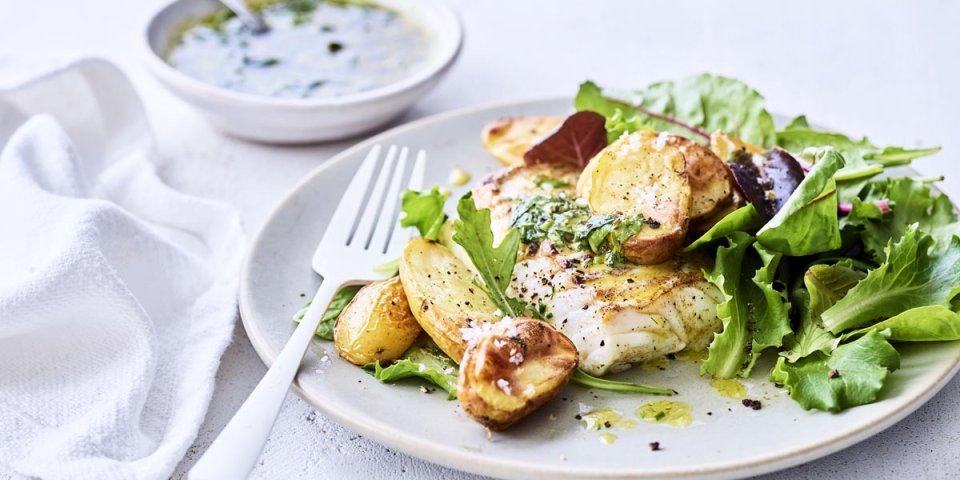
(260, 62)
(334, 47)
(551, 182)
(567, 221)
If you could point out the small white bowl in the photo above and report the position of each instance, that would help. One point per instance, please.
(285, 120)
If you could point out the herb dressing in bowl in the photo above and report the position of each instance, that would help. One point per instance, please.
(314, 49)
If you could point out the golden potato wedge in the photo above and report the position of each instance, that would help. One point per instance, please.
(711, 183)
(724, 145)
(442, 295)
(642, 174)
(377, 325)
(507, 139)
(512, 368)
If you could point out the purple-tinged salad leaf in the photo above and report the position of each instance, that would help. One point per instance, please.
(580, 137)
(808, 223)
(767, 180)
(693, 107)
(851, 375)
(913, 275)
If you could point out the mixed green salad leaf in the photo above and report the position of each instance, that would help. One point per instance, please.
(848, 264)
(424, 360)
(424, 210)
(851, 375)
(340, 301)
(693, 107)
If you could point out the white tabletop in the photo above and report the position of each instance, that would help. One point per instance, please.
(886, 69)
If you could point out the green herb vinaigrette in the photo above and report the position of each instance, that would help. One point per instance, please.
(314, 48)
(566, 221)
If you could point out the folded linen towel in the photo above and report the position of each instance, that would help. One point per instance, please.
(117, 293)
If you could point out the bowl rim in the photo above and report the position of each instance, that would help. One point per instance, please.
(448, 53)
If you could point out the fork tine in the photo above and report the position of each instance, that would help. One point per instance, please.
(367, 221)
(349, 207)
(388, 216)
(400, 235)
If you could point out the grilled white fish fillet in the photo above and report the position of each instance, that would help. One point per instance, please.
(615, 316)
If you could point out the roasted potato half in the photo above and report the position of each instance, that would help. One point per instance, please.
(512, 368)
(642, 174)
(377, 325)
(442, 295)
(711, 184)
(507, 139)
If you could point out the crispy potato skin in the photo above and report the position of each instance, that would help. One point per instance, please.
(507, 139)
(643, 173)
(442, 295)
(513, 370)
(377, 325)
(711, 183)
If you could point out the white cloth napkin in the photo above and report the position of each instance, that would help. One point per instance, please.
(117, 293)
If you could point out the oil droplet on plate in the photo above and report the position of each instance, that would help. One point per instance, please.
(656, 364)
(597, 419)
(627, 424)
(608, 438)
(676, 414)
(729, 387)
(458, 177)
(692, 356)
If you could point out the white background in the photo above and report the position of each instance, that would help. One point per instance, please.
(885, 69)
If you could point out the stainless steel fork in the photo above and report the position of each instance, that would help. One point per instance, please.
(360, 236)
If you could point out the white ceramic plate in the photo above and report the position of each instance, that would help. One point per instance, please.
(725, 440)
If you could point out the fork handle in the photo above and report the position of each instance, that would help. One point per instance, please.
(235, 451)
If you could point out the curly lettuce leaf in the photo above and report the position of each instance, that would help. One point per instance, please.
(771, 320)
(422, 361)
(852, 375)
(913, 275)
(823, 286)
(755, 315)
(424, 210)
(911, 201)
(933, 323)
(743, 219)
(340, 301)
(693, 107)
(811, 208)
